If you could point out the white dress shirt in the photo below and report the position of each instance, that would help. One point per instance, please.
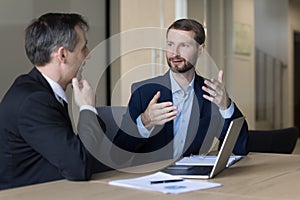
(60, 94)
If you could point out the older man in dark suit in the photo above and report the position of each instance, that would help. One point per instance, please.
(37, 142)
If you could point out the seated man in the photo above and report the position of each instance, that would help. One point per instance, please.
(179, 113)
(37, 140)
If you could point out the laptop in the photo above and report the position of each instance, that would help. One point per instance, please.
(205, 171)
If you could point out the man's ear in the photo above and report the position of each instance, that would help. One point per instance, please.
(201, 49)
(62, 54)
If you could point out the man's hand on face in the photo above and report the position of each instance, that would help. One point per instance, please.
(83, 93)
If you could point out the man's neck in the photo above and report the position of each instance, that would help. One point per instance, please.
(184, 79)
(53, 74)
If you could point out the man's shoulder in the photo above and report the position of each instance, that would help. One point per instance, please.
(25, 87)
(27, 84)
(159, 81)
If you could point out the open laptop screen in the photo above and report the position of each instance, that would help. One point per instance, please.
(197, 171)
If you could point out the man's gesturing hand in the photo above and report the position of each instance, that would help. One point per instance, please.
(158, 113)
(217, 92)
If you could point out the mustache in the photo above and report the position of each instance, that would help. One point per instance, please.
(176, 58)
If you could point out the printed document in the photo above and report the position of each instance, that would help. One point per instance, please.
(165, 183)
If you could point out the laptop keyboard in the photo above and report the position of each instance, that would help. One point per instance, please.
(188, 170)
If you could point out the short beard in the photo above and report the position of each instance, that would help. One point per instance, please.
(187, 67)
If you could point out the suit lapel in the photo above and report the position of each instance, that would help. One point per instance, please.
(199, 82)
(166, 95)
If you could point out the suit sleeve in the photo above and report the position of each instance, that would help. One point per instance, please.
(128, 137)
(240, 147)
(48, 130)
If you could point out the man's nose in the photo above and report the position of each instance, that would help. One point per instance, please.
(176, 51)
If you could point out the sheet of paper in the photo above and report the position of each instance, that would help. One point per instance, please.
(206, 160)
(144, 183)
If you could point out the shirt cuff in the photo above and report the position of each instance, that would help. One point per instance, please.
(144, 132)
(88, 107)
(226, 114)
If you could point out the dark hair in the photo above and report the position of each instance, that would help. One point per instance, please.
(189, 25)
(49, 32)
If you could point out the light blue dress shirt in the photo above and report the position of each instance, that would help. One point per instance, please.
(184, 102)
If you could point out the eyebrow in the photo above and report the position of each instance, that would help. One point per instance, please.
(186, 42)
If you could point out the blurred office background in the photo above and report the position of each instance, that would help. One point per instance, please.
(256, 42)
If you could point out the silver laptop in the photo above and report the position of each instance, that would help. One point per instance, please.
(207, 172)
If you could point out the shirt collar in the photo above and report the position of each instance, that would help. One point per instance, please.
(57, 89)
(175, 86)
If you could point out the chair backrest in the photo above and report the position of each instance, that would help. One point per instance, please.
(273, 141)
(112, 117)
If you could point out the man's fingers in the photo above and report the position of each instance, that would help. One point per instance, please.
(211, 84)
(155, 98)
(164, 118)
(164, 105)
(159, 113)
(167, 112)
(83, 84)
(209, 91)
(170, 109)
(171, 115)
(167, 120)
(220, 76)
(209, 98)
(75, 84)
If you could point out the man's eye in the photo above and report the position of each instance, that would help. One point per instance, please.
(184, 45)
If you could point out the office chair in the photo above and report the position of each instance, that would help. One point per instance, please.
(273, 141)
(112, 117)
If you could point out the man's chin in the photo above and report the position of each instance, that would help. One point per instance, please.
(180, 69)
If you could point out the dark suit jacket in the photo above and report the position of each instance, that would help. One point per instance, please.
(37, 142)
(205, 120)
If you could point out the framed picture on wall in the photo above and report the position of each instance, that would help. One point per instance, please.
(243, 40)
